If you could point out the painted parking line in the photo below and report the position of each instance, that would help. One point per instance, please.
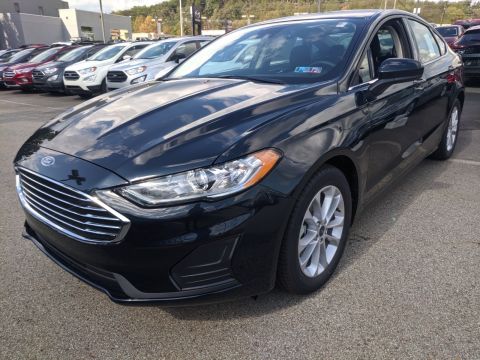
(34, 105)
(466, 162)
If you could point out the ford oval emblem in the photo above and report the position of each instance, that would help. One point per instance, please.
(47, 161)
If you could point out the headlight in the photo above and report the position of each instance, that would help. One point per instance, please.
(138, 80)
(137, 70)
(208, 183)
(90, 78)
(49, 71)
(52, 78)
(87, 70)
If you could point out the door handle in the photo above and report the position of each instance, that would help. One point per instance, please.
(419, 84)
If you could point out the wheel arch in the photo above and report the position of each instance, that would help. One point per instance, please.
(345, 161)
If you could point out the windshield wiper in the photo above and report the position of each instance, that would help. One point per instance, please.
(252, 78)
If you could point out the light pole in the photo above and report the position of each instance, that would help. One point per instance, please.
(319, 5)
(103, 22)
(181, 18)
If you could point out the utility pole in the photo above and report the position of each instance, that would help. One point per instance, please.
(103, 22)
(319, 4)
(181, 18)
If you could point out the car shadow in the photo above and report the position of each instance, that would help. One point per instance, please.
(369, 227)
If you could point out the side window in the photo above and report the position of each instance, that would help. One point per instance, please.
(388, 42)
(187, 48)
(364, 74)
(133, 50)
(385, 45)
(203, 43)
(426, 44)
(441, 44)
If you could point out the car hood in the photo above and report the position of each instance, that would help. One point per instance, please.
(130, 64)
(90, 63)
(159, 128)
(25, 66)
(57, 64)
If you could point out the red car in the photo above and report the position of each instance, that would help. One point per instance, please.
(20, 75)
(451, 33)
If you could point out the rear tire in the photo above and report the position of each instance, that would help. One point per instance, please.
(316, 233)
(449, 138)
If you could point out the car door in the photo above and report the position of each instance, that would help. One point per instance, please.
(432, 107)
(388, 134)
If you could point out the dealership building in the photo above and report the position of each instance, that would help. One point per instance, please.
(47, 21)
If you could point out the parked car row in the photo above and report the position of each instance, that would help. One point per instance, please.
(92, 69)
(465, 40)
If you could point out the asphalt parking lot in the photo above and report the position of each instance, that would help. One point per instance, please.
(408, 285)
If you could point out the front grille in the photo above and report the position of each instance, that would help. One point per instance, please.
(8, 74)
(472, 62)
(116, 76)
(37, 75)
(71, 75)
(69, 211)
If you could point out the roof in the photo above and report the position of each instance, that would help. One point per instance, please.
(476, 27)
(341, 14)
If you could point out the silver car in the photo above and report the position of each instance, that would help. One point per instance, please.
(159, 56)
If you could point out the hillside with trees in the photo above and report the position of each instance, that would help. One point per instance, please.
(217, 12)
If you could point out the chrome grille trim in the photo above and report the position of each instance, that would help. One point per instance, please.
(37, 74)
(8, 74)
(71, 75)
(63, 213)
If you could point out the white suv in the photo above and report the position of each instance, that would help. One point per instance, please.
(159, 56)
(87, 77)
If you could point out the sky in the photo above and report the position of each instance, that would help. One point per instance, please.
(109, 5)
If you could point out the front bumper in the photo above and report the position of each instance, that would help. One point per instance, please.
(114, 85)
(197, 253)
(19, 80)
(45, 85)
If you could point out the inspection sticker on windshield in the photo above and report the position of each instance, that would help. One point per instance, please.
(308, 69)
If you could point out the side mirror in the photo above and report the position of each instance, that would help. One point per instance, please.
(395, 71)
(126, 57)
(178, 57)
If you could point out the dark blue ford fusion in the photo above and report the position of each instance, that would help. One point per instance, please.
(246, 165)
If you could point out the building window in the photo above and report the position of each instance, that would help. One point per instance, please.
(40, 10)
(86, 32)
(17, 7)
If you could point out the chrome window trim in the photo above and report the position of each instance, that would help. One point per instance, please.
(124, 220)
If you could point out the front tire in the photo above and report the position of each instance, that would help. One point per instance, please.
(449, 139)
(317, 232)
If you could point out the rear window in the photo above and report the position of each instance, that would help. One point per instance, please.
(471, 36)
(450, 31)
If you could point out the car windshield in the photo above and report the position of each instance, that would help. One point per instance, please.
(448, 31)
(107, 53)
(6, 54)
(471, 36)
(21, 55)
(155, 50)
(44, 55)
(286, 52)
(73, 54)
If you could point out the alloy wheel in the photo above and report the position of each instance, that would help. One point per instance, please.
(321, 231)
(452, 129)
